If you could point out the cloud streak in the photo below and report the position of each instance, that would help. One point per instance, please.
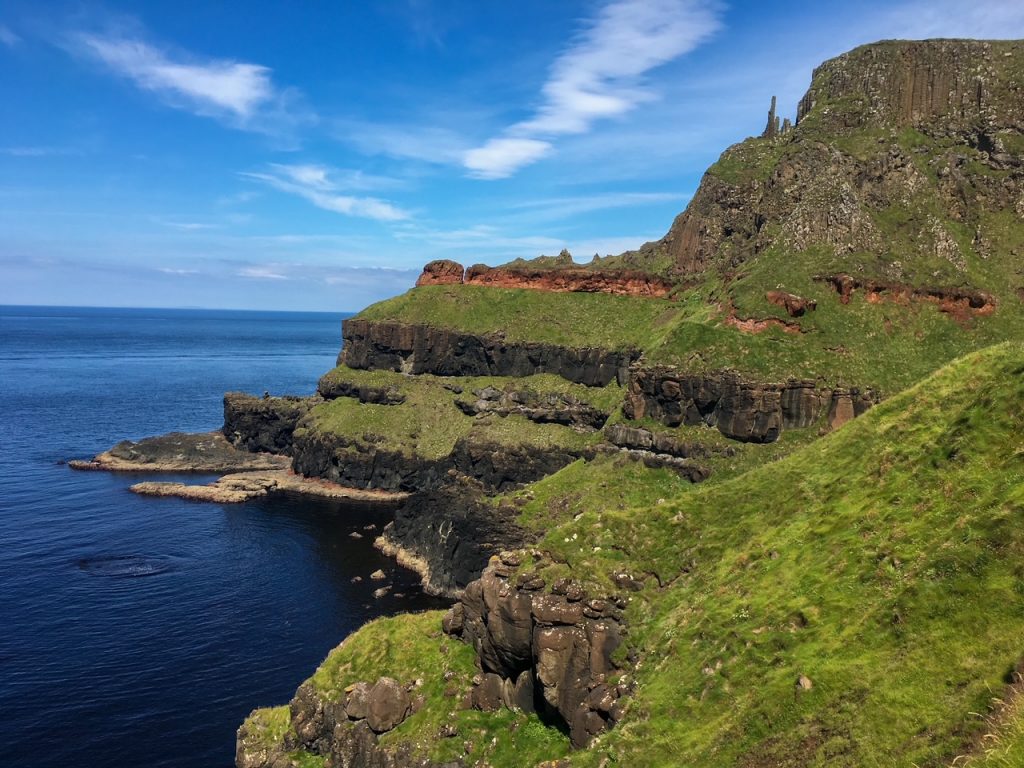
(327, 188)
(8, 36)
(239, 93)
(599, 76)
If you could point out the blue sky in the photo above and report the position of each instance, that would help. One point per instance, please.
(315, 155)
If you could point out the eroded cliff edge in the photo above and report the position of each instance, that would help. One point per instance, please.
(563, 415)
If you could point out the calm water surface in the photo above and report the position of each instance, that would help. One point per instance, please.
(137, 631)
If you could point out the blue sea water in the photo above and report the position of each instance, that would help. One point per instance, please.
(138, 631)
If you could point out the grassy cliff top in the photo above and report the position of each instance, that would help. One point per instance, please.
(887, 345)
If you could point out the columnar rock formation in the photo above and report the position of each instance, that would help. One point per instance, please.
(547, 651)
(420, 349)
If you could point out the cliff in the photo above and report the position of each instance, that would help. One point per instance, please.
(689, 508)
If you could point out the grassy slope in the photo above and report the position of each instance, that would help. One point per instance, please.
(885, 562)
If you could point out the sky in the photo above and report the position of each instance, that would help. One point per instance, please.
(313, 156)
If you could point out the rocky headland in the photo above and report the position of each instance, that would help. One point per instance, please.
(703, 502)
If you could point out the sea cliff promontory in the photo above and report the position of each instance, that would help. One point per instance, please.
(747, 495)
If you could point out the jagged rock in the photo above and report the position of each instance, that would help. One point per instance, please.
(263, 423)
(387, 705)
(331, 386)
(451, 624)
(487, 695)
(555, 654)
(441, 272)
(742, 410)
(425, 349)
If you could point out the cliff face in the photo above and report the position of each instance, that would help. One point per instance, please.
(887, 125)
(418, 349)
(875, 239)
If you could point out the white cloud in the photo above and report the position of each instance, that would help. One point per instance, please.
(323, 187)
(8, 37)
(599, 76)
(502, 157)
(219, 85)
(241, 94)
(262, 273)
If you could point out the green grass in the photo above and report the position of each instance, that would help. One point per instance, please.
(572, 320)
(883, 562)
(428, 424)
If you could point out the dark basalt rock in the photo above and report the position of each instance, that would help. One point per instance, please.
(263, 423)
(330, 388)
(344, 732)
(550, 408)
(659, 442)
(541, 650)
(741, 410)
(357, 463)
(425, 349)
(455, 532)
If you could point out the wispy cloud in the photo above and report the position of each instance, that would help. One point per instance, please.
(240, 93)
(38, 151)
(556, 208)
(183, 226)
(8, 36)
(430, 144)
(599, 76)
(326, 188)
(263, 273)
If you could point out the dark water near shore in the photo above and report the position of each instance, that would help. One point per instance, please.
(138, 631)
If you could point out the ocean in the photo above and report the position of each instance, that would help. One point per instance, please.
(140, 631)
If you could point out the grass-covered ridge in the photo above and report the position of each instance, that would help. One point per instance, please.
(884, 562)
(429, 423)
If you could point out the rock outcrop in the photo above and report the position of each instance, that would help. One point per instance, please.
(550, 408)
(641, 439)
(357, 462)
(572, 280)
(420, 349)
(345, 731)
(263, 423)
(742, 410)
(332, 387)
(181, 452)
(449, 536)
(544, 651)
(958, 302)
(441, 272)
(562, 278)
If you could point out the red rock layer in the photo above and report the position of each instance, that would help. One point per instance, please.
(618, 282)
(441, 272)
